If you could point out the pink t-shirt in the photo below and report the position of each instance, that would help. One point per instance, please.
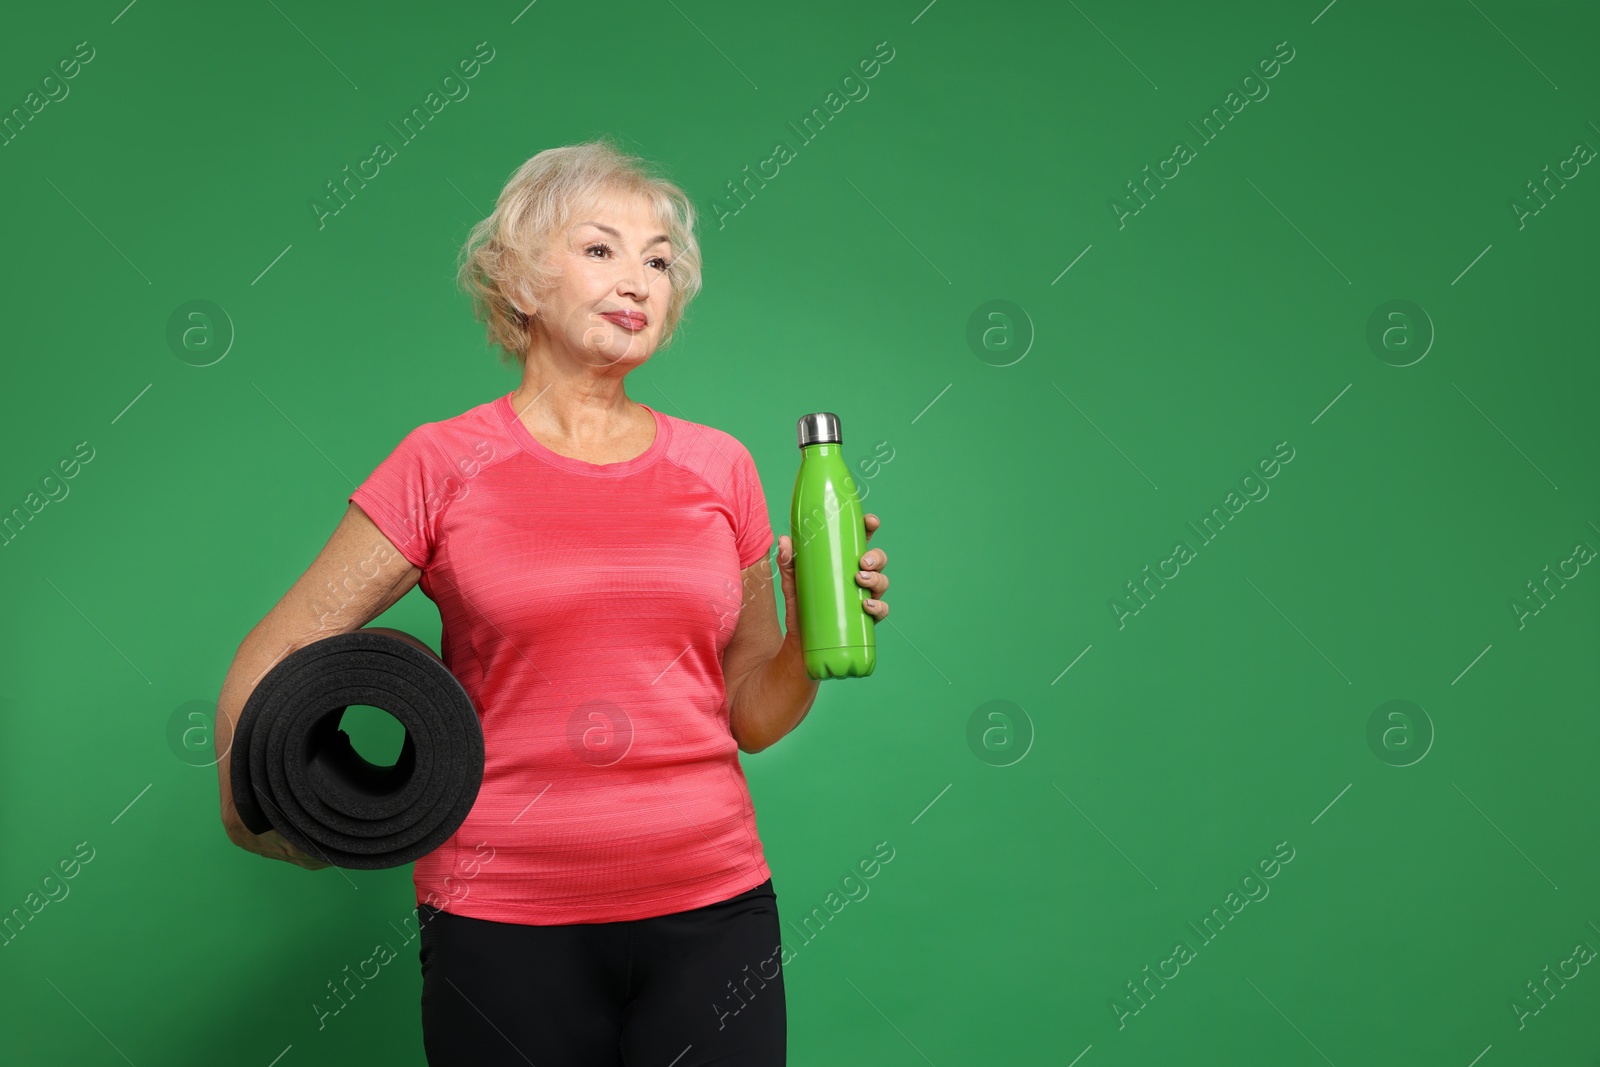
(585, 608)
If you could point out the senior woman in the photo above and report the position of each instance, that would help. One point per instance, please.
(602, 575)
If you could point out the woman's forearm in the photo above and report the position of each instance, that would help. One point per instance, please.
(772, 699)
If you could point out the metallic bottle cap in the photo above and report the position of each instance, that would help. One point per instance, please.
(820, 428)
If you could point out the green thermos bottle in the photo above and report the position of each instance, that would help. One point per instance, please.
(826, 526)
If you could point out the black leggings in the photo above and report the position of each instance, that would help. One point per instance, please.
(690, 989)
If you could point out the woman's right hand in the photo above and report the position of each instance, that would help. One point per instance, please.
(271, 845)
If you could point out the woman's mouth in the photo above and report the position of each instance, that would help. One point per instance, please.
(633, 321)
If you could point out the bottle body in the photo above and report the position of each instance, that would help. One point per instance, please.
(826, 526)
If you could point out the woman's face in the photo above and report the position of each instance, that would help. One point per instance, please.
(610, 301)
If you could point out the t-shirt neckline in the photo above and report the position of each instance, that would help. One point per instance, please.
(531, 445)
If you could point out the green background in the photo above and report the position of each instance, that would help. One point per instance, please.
(1136, 772)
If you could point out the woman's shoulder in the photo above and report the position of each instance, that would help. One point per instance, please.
(713, 452)
(477, 435)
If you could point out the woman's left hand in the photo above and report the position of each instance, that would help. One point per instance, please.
(871, 573)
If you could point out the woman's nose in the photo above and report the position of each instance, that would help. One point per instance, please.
(636, 283)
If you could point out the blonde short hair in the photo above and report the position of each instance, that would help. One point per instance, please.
(502, 263)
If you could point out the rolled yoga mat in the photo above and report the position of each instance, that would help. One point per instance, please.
(294, 769)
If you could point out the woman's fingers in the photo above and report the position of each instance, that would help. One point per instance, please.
(286, 851)
(878, 584)
(871, 574)
(310, 863)
(873, 580)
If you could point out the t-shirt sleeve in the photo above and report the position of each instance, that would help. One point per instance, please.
(397, 496)
(754, 533)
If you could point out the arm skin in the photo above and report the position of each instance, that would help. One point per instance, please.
(769, 692)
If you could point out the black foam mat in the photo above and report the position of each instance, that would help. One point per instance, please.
(294, 769)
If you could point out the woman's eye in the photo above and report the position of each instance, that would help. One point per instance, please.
(661, 263)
